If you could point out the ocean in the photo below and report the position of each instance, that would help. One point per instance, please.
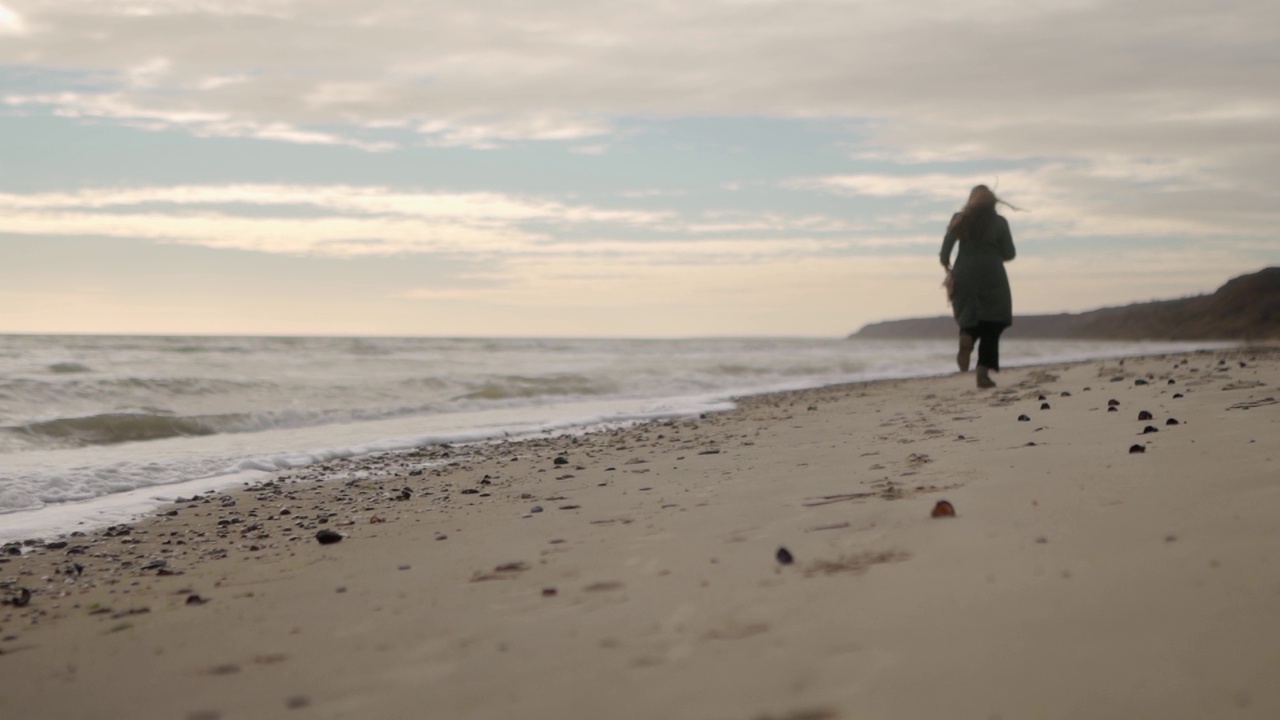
(98, 429)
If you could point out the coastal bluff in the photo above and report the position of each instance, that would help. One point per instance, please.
(1245, 308)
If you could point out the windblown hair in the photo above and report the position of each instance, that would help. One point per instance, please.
(972, 220)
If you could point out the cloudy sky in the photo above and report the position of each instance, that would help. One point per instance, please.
(620, 167)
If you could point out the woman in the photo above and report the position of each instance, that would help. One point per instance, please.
(978, 285)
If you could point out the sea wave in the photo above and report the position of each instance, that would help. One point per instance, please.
(112, 428)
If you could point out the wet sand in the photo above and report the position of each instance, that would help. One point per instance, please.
(643, 572)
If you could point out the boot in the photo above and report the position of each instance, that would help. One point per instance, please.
(966, 350)
(984, 378)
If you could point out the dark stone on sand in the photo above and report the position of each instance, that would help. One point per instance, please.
(405, 494)
(784, 556)
(1134, 449)
(1171, 421)
(328, 537)
(549, 592)
(1113, 408)
(535, 509)
(1066, 394)
(154, 565)
(942, 509)
(1144, 415)
(1044, 406)
(1113, 402)
(20, 599)
(1172, 381)
(194, 599)
(1139, 381)
(1149, 429)
(1023, 418)
(57, 545)
(1042, 397)
(471, 491)
(1118, 378)
(13, 549)
(1177, 395)
(561, 460)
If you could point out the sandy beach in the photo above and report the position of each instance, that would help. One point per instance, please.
(1115, 553)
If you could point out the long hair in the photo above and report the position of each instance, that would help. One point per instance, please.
(972, 220)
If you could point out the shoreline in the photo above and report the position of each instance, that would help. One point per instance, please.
(633, 572)
(54, 519)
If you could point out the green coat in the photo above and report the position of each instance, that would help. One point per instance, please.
(981, 284)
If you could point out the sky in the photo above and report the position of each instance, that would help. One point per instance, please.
(624, 168)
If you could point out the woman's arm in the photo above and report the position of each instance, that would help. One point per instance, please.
(948, 242)
(1007, 251)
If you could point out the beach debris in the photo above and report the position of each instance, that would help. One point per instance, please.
(1149, 429)
(942, 508)
(1113, 402)
(22, 598)
(603, 586)
(1177, 396)
(1113, 409)
(1044, 406)
(1171, 421)
(1172, 381)
(1144, 415)
(1023, 418)
(1139, 381)
(328, 537)
(561, 460)
(1041, 397)
(784, 556)
(1135, 449)
(194, 599)
(854, 563)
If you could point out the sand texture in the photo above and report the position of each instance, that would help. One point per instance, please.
(638, 573)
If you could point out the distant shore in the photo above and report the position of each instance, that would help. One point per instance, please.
(1102, 563)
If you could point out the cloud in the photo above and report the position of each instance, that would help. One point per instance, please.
(345, 221)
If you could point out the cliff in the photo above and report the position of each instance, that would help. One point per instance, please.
(1246, 308)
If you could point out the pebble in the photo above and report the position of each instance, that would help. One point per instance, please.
(535, 509)
(1177, 395)
(1023, 418)
(328, 537)
(1135, 449)
(943, 509)
(1144, 415)
(1044, 406)
(784, 556)
(1149, 429)
(1113, 402)
(1171, 421)
(1113, 409)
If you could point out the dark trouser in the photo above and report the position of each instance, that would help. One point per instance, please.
(987, 335)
